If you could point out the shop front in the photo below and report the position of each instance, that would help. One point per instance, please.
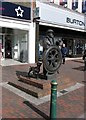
(69, 26)
(75, 41)
(14, 44)
(75, 46)
(15, 29)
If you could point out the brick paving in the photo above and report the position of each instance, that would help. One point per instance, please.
(71, 105)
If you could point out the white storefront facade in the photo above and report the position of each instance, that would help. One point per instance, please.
(16, 33)
(64, 18)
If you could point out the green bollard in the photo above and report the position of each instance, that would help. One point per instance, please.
(53, 102)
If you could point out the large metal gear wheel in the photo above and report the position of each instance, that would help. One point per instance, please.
(52, 59)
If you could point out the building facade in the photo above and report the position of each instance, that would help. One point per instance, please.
(22, 28)
(16, 32)
(77, 5)
(68, 25)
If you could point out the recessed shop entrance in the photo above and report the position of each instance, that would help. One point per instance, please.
(75, 41)
(14, 44)
(6, 41)
(8, 47)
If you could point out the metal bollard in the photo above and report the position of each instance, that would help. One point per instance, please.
(53, 102)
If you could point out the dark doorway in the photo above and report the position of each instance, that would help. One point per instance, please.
(8, 47)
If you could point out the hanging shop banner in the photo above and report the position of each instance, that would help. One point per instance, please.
(16, 11)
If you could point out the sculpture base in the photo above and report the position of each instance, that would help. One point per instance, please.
(35, 87)
(40, 88)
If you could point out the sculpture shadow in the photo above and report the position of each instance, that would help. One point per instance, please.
(25, 74)
(36, 110)
(78, 61)
(40, 76)
(22, 73)
(81, 68)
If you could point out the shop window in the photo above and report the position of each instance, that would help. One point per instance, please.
(20, 47)
(23, 49)
(74, 4)
(63, 3)
(84, 6)
(79, 46)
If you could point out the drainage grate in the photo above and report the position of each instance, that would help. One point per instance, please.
(63, 91)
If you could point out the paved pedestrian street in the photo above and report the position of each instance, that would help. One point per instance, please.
(70, 99)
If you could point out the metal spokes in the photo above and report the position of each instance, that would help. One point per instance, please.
(52, 59)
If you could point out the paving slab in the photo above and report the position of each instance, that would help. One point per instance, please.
(69, 105)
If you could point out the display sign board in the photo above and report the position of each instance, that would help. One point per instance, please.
(16, 11)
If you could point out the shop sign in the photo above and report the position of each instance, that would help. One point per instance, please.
(75, 21)
(17, 11)
(56, 16)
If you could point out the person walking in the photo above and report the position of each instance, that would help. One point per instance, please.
(64, 53)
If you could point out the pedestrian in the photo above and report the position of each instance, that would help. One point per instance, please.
(64, 52)
(84, 58)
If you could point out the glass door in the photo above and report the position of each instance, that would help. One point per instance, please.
(79, 46)
(70, 47)
(2, 45)
(8, 46)
(15, 47)
(23, 48)
(20, 46)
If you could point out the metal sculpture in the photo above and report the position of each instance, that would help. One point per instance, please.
(34, 71)
(51, 57)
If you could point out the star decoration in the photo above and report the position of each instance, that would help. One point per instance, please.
(19, 11)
